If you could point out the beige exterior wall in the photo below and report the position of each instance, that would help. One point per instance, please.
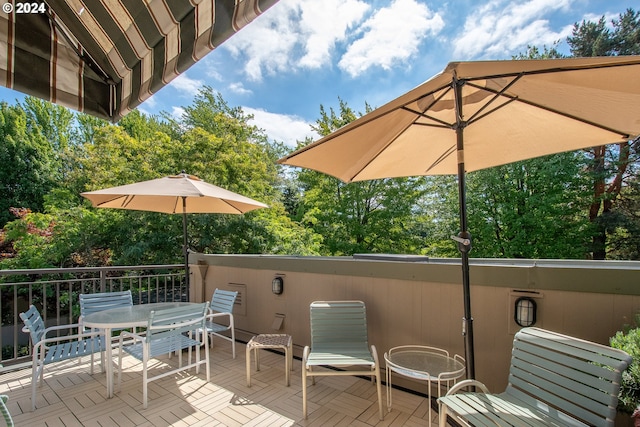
(420, 301)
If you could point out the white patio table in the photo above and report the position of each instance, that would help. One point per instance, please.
(125, 317)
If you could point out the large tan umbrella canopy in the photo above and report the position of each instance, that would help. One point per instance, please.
(476, 115)
(176, 194)
(105, 57)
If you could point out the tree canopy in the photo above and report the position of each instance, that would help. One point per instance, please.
(578, 205)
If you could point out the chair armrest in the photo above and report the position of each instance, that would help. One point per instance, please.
(135, 336)
(467, 383)
(374, 352)
(43, 342)
(60, 327)
(305, 354)
(213, 315)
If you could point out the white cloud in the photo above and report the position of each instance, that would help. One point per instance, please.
(280, 127)
(239, 88)
(502, 28)
(323, 23)
(186, 85)
(391, 36)
(177, 112)
(294, 34)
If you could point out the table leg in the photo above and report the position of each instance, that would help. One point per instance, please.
(389, 389)
(248, 365)
(429, 401)
(108, 361)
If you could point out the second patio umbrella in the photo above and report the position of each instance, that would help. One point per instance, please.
(176, 194)
(476, 115)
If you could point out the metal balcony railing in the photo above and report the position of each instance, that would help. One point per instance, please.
(55, 292)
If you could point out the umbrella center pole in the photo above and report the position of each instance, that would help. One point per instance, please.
(464, 237)
(185, 247)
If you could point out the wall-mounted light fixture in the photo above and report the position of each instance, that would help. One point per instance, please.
(525, 311)
(277, 285)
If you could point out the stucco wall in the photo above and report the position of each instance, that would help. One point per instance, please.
(419, 301)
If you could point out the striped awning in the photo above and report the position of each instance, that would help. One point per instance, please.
(105, 57)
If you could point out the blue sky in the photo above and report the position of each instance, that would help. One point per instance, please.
(301, 54)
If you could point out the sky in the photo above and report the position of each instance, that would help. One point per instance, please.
(300, 55)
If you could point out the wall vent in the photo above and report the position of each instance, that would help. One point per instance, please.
(240, 307)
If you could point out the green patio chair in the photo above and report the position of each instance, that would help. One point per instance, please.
(222, 307)
(168, 331)
(56, 349)
(339, 338)
(93, 303)
(5, 411)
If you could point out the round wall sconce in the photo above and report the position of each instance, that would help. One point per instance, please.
(277, 285)
(525, 311)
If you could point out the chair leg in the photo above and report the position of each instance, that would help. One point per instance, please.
(119, 368)
(206, 358)
(304, 392)
(233, 337)
(34, 385)
(379, 389)
(144, 383)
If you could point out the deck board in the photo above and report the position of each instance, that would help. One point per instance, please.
(71, 395)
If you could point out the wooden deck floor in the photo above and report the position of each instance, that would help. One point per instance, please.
(72, 396)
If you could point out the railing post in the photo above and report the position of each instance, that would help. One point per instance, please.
(103, 281)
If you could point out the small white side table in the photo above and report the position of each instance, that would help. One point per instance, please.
(262, 341)
(429, 364)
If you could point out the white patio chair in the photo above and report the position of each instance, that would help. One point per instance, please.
(339, 338)
(56, 349)
(167, 332)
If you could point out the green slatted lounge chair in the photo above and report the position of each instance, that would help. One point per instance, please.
(5, 411)
(339, 338)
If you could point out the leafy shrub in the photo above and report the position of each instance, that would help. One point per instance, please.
(628, 340)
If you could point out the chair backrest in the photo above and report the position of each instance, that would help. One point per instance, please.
(5, 410)
(33, 324)
(92, 303)
(338, 323)
(175, 321)
(577, 377)
(222, 301)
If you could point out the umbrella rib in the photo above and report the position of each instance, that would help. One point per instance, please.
(353, 125)
(552, 70)
(496, 95)
(441, 158)
(391, 141)
(443, 124)
(231, 204)
(542, 107)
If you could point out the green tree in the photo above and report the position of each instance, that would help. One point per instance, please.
(530, 209)
(29, 163)
(609, 165)
(360, 217)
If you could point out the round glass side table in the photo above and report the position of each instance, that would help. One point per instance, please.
(430, 364)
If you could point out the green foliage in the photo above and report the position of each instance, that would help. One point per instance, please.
(360, 217)
(629, 341)
(541, 208)
(530, 209)
(28, 160)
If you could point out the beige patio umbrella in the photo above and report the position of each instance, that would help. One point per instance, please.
(476, 115)
(176, 194)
